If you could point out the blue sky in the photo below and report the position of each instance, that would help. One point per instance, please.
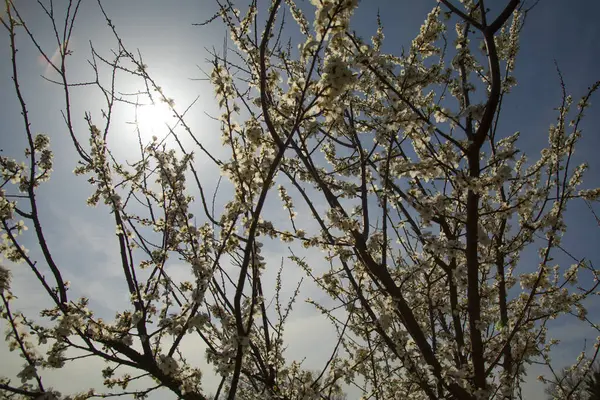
(176, 52)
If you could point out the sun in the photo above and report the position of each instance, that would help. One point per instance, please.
(154, 119)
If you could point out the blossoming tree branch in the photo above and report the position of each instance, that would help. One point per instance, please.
(417, 204)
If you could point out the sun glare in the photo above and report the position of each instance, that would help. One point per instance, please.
(153, 119)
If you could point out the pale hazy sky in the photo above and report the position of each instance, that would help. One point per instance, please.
(175, 51)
